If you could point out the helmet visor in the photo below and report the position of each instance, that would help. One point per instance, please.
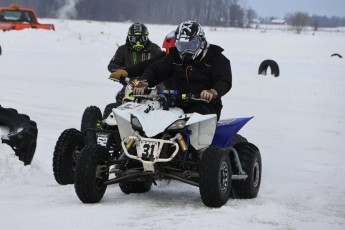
(188, 46)
(135, 39)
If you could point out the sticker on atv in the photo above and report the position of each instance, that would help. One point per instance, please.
(102, 139)
(148, 149)
(128, 106)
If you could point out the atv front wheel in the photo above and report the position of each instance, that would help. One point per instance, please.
(66, 154)
(91, 172)
(250, 159)
(215, 177)
(91, 116)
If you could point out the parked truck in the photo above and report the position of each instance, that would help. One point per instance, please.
(16, 18)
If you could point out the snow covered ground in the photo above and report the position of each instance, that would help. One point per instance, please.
(299, 127)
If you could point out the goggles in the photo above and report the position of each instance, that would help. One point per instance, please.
(188, 47)
(137, 39)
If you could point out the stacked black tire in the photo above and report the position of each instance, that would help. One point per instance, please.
(22, 135)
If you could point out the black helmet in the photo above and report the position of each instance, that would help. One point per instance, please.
(138, 36)
(190, 40)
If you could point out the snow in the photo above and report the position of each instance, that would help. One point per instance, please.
(298, 125)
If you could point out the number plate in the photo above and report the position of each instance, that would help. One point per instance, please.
(148, 149)
(102, 139)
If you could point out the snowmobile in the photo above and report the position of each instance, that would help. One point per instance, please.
(158, 141)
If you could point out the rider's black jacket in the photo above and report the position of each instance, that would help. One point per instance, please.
(210, 70)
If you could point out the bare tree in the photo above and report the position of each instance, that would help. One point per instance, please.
(251, 14)
(298, 20)
(235, 14)
(315, 24)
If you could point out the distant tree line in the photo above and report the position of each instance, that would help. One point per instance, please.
(301, 19)
(324, 21)
(207, 12)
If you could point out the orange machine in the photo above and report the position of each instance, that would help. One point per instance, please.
(16, 18)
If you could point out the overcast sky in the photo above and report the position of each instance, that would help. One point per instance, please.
(279, 8)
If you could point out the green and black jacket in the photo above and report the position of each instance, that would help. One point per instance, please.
(125, 56)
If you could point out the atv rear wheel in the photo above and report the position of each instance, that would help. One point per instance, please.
(237, 139)
(135, 186)
(250, 159)
(91, 116)
(91, 172)
(215, 177)
(129, 187)
(66, 154)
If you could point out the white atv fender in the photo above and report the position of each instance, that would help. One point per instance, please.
(203, 128)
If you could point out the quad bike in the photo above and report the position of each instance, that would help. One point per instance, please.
(72, 141)
(21, 133)
(159, 141)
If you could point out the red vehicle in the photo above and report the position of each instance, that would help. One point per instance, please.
(16, 18)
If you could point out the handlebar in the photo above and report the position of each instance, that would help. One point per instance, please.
(168, 95)
(154, 94)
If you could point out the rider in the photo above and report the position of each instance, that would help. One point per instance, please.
(138, 69)
(194, 66)
(138, 48)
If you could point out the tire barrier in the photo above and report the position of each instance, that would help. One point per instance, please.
(22, 136)
(269, 63)
(336, 55)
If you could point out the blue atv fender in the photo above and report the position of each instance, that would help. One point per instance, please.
(227, 129)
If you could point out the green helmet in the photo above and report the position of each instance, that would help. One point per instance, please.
(138, 35)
